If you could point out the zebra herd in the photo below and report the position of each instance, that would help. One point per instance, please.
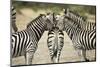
(25, 43)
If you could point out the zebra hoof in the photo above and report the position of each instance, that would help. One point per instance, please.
(87, 60)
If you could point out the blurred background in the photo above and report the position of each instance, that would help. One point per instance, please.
(26, 8)
(81, 9)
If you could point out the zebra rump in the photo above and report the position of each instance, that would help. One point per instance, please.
(55, 43)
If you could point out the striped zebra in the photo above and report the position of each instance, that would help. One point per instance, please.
(55, 43)
(25, 42)
(13, 19)
(82, 40)
(79, 20)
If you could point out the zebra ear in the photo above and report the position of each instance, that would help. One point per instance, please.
(65, 11)
(43, 15)
(53, 16)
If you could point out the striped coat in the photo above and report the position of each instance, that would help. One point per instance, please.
(25, 42)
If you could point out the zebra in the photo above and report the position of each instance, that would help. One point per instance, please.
(25, 42)
(79, 20)
(55, 43)
(82, 40)
(13, 19)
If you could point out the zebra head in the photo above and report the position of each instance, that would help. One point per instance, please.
(63, 21)
(59, 21)
(66, 12)
(72, 18)
(44, 20)
(50, 19)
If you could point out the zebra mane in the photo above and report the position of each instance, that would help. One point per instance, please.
(35, 19)
(76, 14)
(83, 18)
(73, 21)
(76, 18)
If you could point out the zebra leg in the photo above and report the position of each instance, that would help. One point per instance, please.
(29, 57)
(54, 57)
(60, 46)
(59, 52)
(51, 55)
(58, 55)
(30, 50)
(80, 54)
(84, 55)
(51, 52)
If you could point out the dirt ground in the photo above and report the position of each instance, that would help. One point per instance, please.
(41, 56)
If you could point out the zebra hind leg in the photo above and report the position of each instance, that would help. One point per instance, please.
(54, 57)
(28, 58)
(58, 55)
(82, 55)
(51, 55)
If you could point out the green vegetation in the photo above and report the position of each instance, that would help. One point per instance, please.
(81, 9)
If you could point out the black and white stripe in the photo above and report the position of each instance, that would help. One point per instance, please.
(55, 43)
(80, 20)
(82, 39)
(13, 19)
(25, 42)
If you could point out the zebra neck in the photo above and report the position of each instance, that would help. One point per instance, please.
(75, 16)
(71, 22)
(71, 31)
(37, 28)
